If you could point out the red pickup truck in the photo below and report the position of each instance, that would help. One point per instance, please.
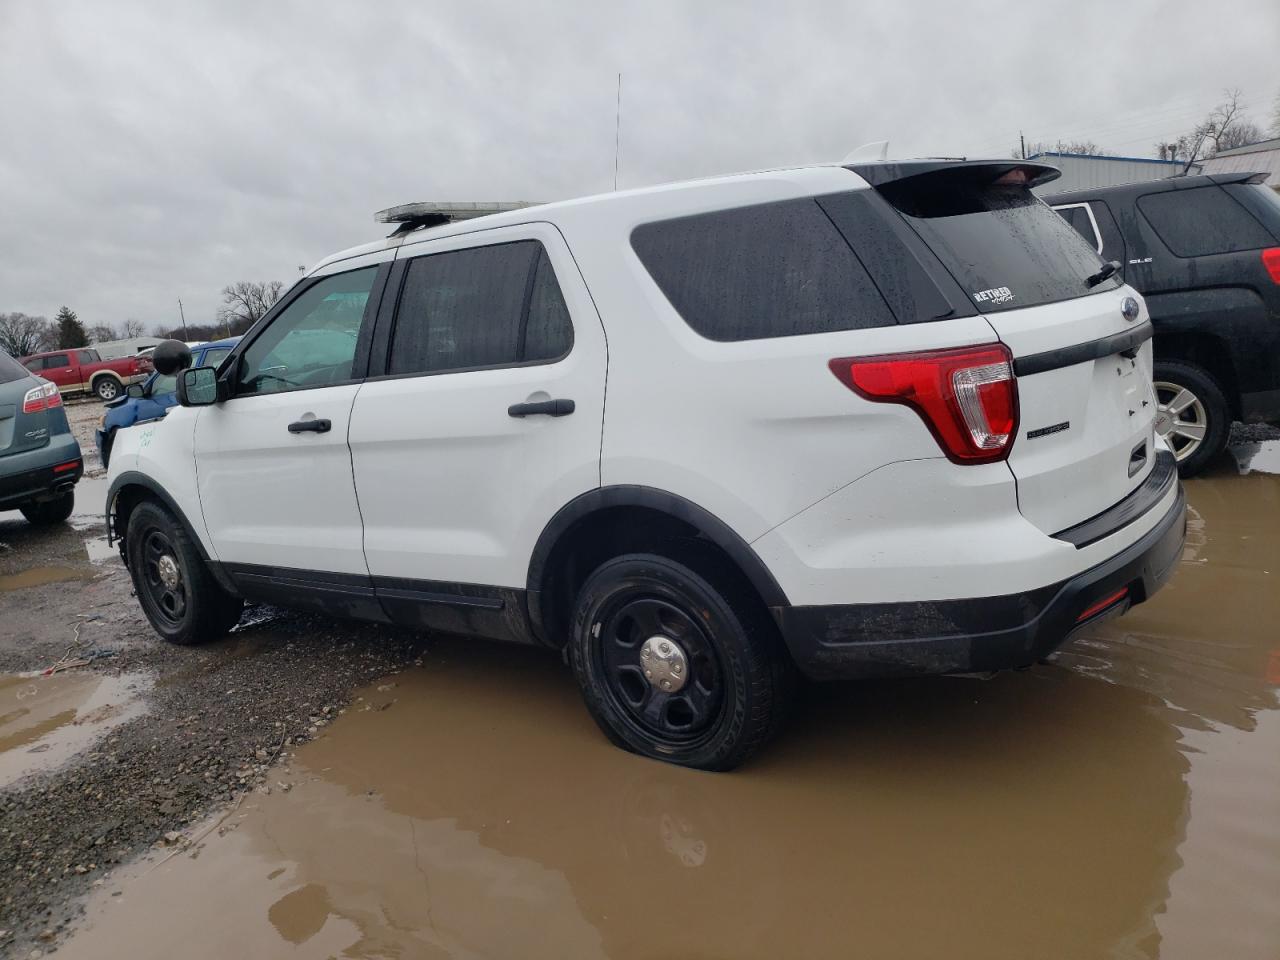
(82, 369)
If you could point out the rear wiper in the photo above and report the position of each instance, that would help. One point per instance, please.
(1108, 269)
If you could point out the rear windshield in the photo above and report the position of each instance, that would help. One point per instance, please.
(11, 369)
(1004, 246)
(1261, 201)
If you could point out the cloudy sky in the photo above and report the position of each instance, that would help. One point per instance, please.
(159, 150)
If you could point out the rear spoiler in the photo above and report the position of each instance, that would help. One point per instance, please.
(880, 174)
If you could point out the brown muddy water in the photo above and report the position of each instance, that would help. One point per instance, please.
(1123, 801)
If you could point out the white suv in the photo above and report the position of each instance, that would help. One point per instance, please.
(880, 420)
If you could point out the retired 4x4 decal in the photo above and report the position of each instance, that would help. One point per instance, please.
(994, 295)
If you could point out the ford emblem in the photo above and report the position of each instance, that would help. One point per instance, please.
(1130, 309)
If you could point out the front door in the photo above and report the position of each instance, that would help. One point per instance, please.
(272, 461)
(485, 420)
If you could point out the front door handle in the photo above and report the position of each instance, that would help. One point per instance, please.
(548, 408)
(310, 426)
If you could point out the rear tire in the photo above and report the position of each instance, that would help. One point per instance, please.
(48, 512)
(1191, 414)
(732, 678)
(106, 388)
(178, 594)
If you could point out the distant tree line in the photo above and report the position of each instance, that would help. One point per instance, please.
(243, 304)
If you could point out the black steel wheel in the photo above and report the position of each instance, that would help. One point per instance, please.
(677, 663)
(663, 673)
(178, 594)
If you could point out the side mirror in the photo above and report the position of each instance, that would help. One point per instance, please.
(198, 387)
(135, 391)
(170, 356)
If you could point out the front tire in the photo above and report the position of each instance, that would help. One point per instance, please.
(48, 512)
(1191, 414)
(106, 388)
(677, 666)
(180, 598)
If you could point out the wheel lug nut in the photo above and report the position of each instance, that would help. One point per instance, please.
(649, 674)
(666, 648)
(676, 668)
(666, 684)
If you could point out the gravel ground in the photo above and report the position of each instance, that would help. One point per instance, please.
(217, 717)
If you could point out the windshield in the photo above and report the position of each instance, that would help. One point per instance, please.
(1004, 246)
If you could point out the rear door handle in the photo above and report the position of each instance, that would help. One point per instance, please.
(548, 408)
(310, 426)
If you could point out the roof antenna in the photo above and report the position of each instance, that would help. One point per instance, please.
(617, 131)
(869, 152)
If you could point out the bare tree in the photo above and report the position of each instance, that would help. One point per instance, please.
(21, 334)
(1059, 146)
(1224, 128)
(133, 328)
(246, 302)
(102, 332)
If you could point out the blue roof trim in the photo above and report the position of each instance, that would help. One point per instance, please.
(1098, 156)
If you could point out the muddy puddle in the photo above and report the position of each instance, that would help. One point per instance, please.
(46, 721)
(1123, 801)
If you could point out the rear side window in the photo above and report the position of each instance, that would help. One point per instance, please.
(1202, 221)
(11, 369)
(57, 360)
(752, 273)
(1077, 214)
(498, 305)
(1005, 247)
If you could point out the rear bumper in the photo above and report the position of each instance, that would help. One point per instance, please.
(978, 634)
(34, 475)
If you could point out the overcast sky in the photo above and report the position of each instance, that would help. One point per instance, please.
(151, 151)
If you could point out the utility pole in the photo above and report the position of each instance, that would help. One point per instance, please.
(617, 131)
(1023, 141)
(184, 320)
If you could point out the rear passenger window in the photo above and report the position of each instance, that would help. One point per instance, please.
(481, 307)
(58, 360)
(1202, 221)
(1077, 214)
(773, 270)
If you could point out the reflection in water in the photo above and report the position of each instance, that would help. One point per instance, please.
(1120, 802)
(46, 720)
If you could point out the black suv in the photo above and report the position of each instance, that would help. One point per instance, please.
(1205, 252)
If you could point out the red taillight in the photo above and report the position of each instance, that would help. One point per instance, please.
(1103, 604)
(1271, 260)
(43, 397)
(968, 396)
(64, 467)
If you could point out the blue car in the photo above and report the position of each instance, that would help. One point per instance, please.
(151, 399)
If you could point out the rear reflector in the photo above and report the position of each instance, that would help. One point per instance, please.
(64, 467)
(1103, 604)
(43, 397)
(967, 397)
(1271, 260)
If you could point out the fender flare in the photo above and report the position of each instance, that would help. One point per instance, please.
(628, 495)
(133, 478)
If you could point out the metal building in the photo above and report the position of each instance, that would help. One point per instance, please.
(1260, 157)
(1084, 171)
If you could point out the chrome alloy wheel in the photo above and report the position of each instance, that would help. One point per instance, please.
(1180, 418)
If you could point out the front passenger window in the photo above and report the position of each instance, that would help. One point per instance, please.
(312, 342)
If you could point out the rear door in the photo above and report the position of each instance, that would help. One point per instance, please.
(1083, 364)
(59, 368)
(484, 421)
